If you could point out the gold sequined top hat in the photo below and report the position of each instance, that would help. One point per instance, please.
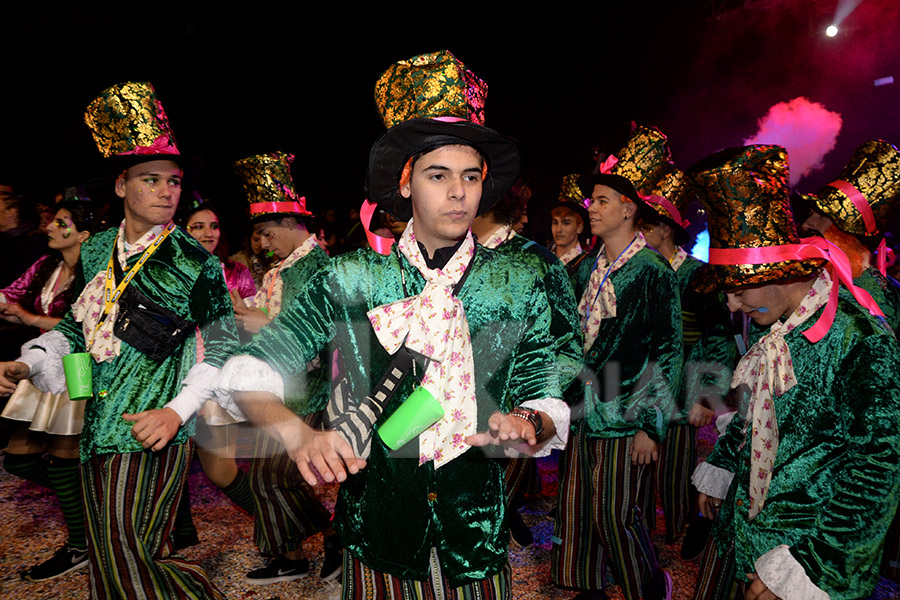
(429, 101)
(269, 186)
(130, 126)
(865, 193)
(571, 198)
(670, 199)
(745, 192)
(644, 161)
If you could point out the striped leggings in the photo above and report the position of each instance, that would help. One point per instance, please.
(130, 503)
(600, 498)
(287, 510)
(361, 582)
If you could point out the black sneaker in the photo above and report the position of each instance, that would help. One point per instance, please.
(66, 560)
(334, 559)
(696, 538)
(280, 569)
(518, 530)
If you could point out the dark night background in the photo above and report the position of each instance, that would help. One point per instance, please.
(563, 81)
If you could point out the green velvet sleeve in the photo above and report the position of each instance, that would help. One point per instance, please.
(565, 326)
(302, 328)
(844, 544)
(533, 375)
(211, 308)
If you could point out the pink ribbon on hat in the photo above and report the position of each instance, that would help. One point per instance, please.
(811, 247)
(607, 165)
(278, 207)
(381, 245)
(160, 145)
(865, 210)
(668, 206)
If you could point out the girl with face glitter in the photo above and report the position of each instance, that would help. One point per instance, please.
(44, 422)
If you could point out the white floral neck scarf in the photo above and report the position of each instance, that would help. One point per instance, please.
(88, 309)
(767, 369)
(598, 301)
(269, 294)
(572, 254)
(501, 234)
(434, 324)
(678, 258)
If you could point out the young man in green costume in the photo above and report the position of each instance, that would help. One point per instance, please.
(631, 319)
(135, 444)
(805, 480)
(453, 306)
(287, 510)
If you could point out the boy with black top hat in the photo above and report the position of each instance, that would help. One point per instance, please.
(450, 306)
(287, 510)
(804, 482)
(631, 319)
(147, 379)
(852, 212)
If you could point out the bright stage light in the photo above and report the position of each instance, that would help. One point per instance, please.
(831, 30)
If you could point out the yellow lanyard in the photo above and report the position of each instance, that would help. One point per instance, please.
(110, 296)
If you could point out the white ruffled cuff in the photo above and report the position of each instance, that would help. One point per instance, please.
(244, 373)
(559, 413)
(43, 355)
(785, 577)
(712, 480)
(198, 387)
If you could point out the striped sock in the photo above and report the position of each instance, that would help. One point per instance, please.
(32, 467)
(239, 492)
(63, 472)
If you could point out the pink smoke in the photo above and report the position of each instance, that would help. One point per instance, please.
(807, 129)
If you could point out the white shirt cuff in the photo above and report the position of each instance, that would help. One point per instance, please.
(711, 480)
(43, 355)
(198, 387)
(245, 373)
(785, 577)
(559, 413)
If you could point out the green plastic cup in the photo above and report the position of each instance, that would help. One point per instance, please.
(79, 375)
(419, 412)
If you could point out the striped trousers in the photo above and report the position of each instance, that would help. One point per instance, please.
(717, 579)
(130, 503)
(361, 582)
(599, 517)
(673, 477)
(287, 510)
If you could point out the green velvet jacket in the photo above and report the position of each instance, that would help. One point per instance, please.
(565, 326)
(710, 352)
(307, 387)
(886, 293)
(393, 512)
(182, 277)
(633, 369)
(836, 478)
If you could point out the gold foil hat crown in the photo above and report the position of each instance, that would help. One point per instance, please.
(569, 190)
(430, 86)
(269, 186)
(745, 192)
(645, 159)
(128, 119)
(874, 172)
